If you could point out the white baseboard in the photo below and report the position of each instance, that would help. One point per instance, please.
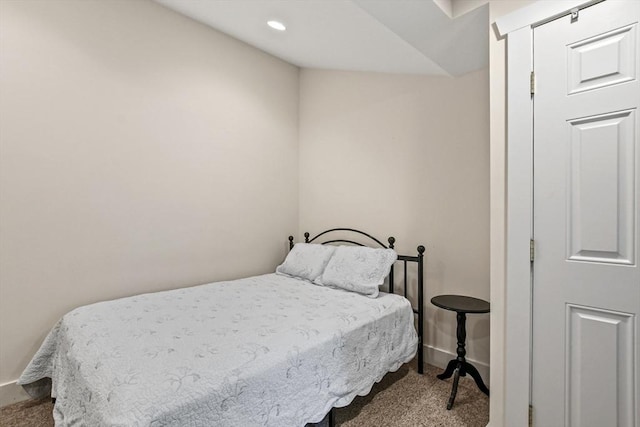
(12, 393)
(440, 358)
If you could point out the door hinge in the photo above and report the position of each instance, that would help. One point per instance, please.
(532, 250)
(530, 415)
(532, 82)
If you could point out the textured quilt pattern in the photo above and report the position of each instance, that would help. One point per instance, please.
(262, 351)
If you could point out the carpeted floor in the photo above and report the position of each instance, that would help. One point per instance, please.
(402, 398)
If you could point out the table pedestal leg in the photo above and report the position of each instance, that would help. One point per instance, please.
(459, 367)
(449, 371)
(477, 378)
(454, 389)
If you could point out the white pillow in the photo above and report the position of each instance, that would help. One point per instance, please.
(358, 269)
(306, 261)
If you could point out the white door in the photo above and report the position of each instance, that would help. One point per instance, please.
(586, 278)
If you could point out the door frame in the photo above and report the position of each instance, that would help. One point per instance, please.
(518, 27)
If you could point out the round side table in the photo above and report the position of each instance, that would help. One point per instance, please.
(459, 367)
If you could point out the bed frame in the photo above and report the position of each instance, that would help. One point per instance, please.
(419, 259)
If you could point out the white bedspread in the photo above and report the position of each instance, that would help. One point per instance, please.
(266, 350)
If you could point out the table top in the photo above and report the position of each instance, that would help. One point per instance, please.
(461, 303)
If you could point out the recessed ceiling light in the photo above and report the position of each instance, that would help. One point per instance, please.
(276, 25)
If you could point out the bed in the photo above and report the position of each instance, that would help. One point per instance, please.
(268, 350)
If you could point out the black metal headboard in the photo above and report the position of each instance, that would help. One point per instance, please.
(419, 259)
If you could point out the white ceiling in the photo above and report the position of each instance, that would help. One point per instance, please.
(395, 36)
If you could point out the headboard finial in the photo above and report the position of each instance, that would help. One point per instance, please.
(306, 237)
(290, 242)
(421, 250)
(391, 241)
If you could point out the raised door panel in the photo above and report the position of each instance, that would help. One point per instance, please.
(599, 348)
(604, 60)
(601, 196)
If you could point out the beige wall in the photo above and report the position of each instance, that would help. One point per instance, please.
(140, 151)
(498, 126)
(406, 156)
